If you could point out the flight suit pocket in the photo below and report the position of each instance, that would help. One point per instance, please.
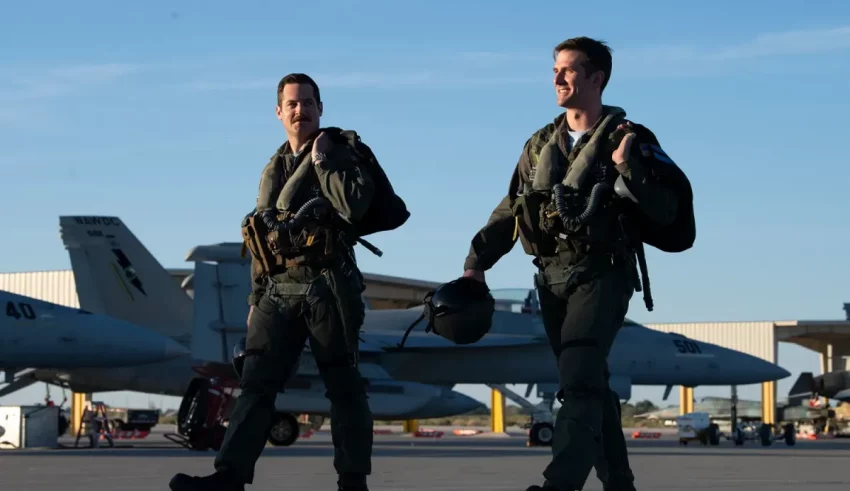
(321, 305)
(336, 316)
(265, 321)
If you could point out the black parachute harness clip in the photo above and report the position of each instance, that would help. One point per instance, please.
(302, 214)
(642, 283)
(644, 276)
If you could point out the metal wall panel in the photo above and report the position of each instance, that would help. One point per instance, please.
(50, 286)
(754, 338)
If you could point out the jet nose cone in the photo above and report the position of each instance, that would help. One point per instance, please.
(448, 403)
(748, 369)
(465, 404)
(779, 373)
(173, 349)
(141, 345)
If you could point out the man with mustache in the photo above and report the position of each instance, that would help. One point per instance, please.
(311, 289)
(585, 252)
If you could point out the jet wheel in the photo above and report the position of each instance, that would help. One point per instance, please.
(790, 434)
(765, 433)
(541, 434)
(714, 434)
(738, 437)
(63, 425)
(284, 431)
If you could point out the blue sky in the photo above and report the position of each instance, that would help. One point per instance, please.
(164, 116)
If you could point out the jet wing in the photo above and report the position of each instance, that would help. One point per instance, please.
(419, 341)
(384, 330)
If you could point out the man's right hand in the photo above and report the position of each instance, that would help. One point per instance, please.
(476, 274)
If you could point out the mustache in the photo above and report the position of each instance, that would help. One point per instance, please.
(301, 118)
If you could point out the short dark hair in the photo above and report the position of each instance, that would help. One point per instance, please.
(597, 53)
(298, 78)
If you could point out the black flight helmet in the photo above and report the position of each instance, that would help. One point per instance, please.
(239, 353)
(460, 310)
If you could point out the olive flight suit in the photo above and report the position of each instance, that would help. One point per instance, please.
(319, 300)
(584, 290)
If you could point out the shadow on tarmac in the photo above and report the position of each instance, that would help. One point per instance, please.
(458, 447)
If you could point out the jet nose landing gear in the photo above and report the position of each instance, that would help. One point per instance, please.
(201, 414)
(284, 431)
(202, 417)
(541, 434)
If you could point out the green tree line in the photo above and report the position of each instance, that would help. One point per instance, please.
(514, 416)
(517, 416)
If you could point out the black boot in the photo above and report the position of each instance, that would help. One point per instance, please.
(359, 487)
(620, 481)
(352, 482)
(214, 482)
(547, 486)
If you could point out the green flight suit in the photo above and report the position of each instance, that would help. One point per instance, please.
(320, 302)
(584, 291)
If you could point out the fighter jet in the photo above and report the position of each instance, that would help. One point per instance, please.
(718, 408)
(832, 385)
(515, 351)
(34, 333)
(117, 276)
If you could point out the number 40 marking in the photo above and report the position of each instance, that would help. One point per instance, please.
(22, 309)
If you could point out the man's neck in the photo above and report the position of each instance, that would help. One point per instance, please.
(297, 142)
(583, 119)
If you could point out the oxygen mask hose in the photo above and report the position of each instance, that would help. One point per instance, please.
(291, 224)
(571, 222)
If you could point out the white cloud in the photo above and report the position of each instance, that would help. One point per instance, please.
(784, 43)
(376, 80)
(57, 81)
(676, 55)
(768, 44)
(24, 88)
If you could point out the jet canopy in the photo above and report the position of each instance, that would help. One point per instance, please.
(519, 300)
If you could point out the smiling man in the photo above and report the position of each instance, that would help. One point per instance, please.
(306, 285)
(589, 189)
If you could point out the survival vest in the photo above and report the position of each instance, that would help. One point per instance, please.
(279, 192)
(530, 204)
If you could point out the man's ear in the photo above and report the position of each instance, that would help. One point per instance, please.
(321, 109)
(599, 78)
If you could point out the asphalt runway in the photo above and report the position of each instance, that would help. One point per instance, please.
(402, 462)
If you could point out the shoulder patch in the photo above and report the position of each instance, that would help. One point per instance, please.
(656, 152)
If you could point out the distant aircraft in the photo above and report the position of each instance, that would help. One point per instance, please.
(800, 407)
(832, 385)
(718, 408)
(516, 350)
(34, 333)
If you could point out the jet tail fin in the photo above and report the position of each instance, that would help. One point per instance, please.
(220, 309)
(802, 389)
(116, 275)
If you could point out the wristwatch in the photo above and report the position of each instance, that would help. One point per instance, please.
(318, 157)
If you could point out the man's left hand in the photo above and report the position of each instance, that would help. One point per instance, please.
(621, 154)
(321, 144)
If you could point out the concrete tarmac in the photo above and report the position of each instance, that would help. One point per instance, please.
(402, 462)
